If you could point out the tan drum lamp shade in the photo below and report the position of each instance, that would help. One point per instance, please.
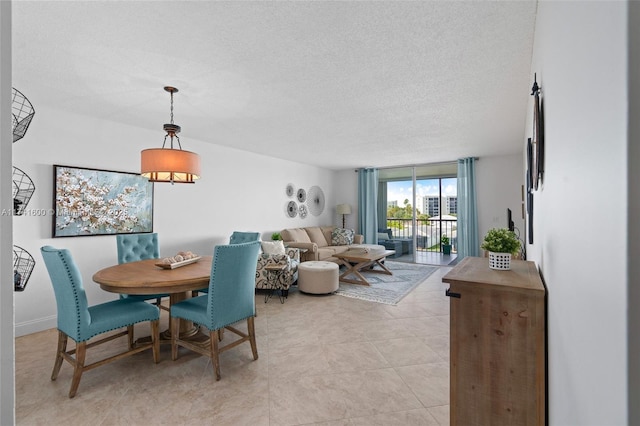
(170, 164)
(343, 209)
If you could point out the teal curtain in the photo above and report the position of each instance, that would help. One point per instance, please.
(368, 204)
(382, 205)
(467, 236)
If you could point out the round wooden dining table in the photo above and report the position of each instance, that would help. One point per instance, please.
(144, 277)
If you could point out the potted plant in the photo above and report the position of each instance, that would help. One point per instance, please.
(276, 236)
(446, 246)
(501, 244)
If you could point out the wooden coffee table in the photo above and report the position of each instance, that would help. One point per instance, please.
(357, 260)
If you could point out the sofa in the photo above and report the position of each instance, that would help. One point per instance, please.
(287, 277)
(318, 242)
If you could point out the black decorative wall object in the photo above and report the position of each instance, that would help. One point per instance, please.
(23, 189)
(529, 193)
(23, 265)
(22, 112)
(537, 139)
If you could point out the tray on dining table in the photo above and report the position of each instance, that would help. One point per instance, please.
(175, 265)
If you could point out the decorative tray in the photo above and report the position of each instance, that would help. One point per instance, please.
(178, 264)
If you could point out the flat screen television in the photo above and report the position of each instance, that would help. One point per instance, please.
(510, 224)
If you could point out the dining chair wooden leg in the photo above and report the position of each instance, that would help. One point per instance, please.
(130, 336)
(220, 334)
(175, 332)
(215, 360)
(62, 348)
(81, 352)
(155, 340)
(252, 337)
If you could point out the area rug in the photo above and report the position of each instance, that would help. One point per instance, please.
(388, 289)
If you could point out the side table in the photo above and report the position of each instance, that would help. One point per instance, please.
(273, 281)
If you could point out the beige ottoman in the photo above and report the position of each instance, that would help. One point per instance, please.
(318, 277)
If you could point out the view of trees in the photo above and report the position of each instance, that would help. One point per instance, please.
(405, 212)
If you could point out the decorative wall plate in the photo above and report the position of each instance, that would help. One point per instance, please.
(301, 195)
(316, 200)
(290, 190)
(302, 210)
(292, 209)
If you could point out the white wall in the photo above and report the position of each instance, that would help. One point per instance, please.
(499, 183)
(345, 183)
(580, 58)
(238, 191)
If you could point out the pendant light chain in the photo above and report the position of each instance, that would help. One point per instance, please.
(173, 133)
(171, 107)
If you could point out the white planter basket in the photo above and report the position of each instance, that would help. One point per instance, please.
(500, 261)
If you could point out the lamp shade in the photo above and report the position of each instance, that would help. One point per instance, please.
(170, 165)
(343, 209)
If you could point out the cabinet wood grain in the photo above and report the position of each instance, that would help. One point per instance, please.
(497, 344)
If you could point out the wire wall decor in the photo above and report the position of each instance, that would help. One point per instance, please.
(23, 265)
(23, 189)
(22, 113)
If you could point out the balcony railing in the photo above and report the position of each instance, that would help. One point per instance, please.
(428, 232)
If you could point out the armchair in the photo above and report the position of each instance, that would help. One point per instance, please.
(285, 279)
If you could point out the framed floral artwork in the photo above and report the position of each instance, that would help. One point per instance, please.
(90, 202)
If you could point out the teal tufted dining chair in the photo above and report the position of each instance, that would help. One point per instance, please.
(236, 238)
(134, 247)
(231, 298)
(243, 237)
(81, 322)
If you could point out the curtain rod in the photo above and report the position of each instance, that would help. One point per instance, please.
(441, 163)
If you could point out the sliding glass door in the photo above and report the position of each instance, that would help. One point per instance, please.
(396, 211)
(418, 205)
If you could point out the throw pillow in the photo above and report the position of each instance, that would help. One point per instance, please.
(273, 247)
(342, 237)
(383, 236)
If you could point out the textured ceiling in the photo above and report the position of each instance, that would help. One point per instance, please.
(333, 84)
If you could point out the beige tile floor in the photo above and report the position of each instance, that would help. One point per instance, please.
(327, 360)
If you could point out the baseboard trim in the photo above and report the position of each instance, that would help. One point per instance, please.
(40, 324)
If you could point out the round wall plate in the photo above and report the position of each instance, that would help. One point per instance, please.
(316, 200)
(301, 195)
(292, 209)
(302, 210)
(290, 190)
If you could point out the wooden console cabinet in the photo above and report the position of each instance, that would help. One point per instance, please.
(497, 344)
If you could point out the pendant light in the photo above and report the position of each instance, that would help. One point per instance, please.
(170, 164)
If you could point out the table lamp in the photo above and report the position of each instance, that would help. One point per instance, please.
(343, 209)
